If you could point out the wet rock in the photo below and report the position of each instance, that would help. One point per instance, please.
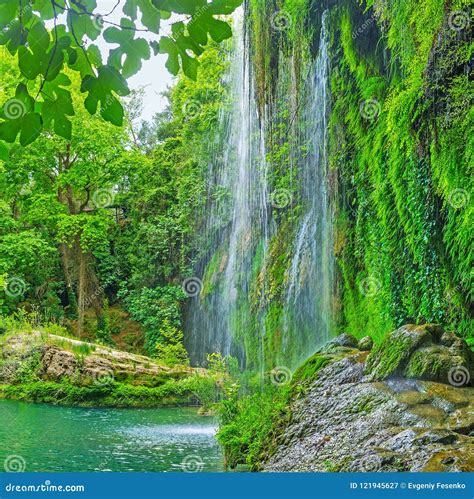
(437, 363)
(358, 417)
(343, 340)
(390, 357)
(422, 352)
(448, 339)
(366, 343)
(458, 459)
(411, 398)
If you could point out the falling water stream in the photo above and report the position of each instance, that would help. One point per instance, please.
(236, 222)
(309, 292)
(240, 222)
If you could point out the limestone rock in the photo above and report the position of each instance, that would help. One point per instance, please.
(343, 340)
(357, 416)
(57, 359)
(57, 363)
(422, 352)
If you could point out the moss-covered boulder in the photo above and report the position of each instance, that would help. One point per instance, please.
(41, 367)
(422, 352)
(343, 340)
(391, 356)
(438, 363)
(308, 372)
(365, 344)
(342, 420)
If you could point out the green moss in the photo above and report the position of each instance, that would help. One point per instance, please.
(366, 403)
(211, 274)
(425, 364)
(390, 356)
(399, 169)
(309, 370)
(251, 426)
(173, 392)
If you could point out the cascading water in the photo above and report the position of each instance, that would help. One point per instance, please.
(238, 213)
(241, 225)
(308, 307)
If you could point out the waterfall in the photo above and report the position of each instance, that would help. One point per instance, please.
(239, 218)
(308, 308)
(240, 224)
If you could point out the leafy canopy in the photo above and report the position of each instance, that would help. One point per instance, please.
(47, 56)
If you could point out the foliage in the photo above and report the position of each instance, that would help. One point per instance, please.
(158, 309)
(248, 425)
(172, 393)
(47, 58)
(170, 349)
(397, 213)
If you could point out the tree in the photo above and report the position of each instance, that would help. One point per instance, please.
(61, 193)
(46, 59)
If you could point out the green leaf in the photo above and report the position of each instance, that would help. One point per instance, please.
(168, 46)
(38, 39)
(9, 130)
(223, 7)
(190, 67)
(179, 6)
(219, 30)
(4, 151)
(112, 111)
(12, 38)
(82, 25)
(55, 64)
(100, 90)
(31, 128)
(8, 12)
(151, 16)
(56, 111)
(95, 57)
(30, 66)
(18, 106)
(134, 49)
(46, 9)
(72, 56)
(155, 46)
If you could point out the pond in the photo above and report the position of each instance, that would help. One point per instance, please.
(37, 437)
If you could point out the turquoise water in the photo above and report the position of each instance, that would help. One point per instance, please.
(54, 438)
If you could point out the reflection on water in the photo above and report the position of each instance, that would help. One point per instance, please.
(51, 438)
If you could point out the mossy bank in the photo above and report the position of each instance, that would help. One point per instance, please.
(41, 367)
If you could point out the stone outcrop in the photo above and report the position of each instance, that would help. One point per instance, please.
(82, 363)
(408, 405)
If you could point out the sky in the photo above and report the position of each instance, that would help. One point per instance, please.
(153, 76)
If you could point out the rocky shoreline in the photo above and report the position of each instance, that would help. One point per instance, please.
(407, 405)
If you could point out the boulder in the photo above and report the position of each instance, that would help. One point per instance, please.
(391, 356)
(365, 344)
(439, 363)
(343, 340)
(57, 363)
(398, 412)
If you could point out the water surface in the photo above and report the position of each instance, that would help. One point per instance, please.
(55, 438)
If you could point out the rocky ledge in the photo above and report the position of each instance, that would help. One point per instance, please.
(41, 367)
(405, 405)
(61, 357)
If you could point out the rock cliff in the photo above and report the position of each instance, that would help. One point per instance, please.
(404, 406)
